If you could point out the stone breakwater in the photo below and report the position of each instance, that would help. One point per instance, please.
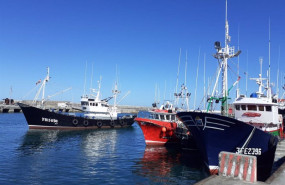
(64, 106)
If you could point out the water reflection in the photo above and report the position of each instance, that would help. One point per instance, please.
(101, 156)
(171, 165)
(35, 141)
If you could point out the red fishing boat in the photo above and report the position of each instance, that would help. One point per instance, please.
(161, 127)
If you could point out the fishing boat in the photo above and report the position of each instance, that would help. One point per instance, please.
(214, 133)
(260, 110)
(97, 114)
(161, 127)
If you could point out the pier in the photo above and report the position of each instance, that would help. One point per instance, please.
(64, 106)
(276, 178)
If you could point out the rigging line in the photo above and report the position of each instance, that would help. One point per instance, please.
(208, 88)
(232, 71)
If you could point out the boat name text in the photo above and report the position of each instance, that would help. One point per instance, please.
(249, 151)
(55, 121)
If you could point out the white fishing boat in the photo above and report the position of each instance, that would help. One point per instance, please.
(260, 110)
(98, 108)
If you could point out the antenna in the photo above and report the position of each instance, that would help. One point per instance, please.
(277, 90)
(164, 89)
(237, 90)
(178, 70)
(175, 94)
(115, 91)
(185, 69)
(84, 93)
(91, 79)
(246, 74)
(268, 82)
(197, 79)
(204, 81)
(260, 62)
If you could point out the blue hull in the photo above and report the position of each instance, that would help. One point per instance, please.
(215, 133)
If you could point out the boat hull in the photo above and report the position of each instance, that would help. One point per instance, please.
(215, 133)
(158, 133)
(45, 119)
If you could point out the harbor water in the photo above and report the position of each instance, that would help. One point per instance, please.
(103, 156)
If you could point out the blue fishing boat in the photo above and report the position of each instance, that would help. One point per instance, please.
(214, 133)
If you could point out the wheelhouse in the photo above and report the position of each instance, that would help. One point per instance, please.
(169, 117)
(251, 107)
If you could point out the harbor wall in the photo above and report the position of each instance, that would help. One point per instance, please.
(64, 106)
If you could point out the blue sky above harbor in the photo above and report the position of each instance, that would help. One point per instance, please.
(141, 37)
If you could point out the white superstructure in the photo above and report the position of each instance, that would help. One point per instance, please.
(259, 110)
(96, 108)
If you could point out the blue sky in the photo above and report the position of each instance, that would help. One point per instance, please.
(141, 37)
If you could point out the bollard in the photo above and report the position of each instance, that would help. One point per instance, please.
(238, 166)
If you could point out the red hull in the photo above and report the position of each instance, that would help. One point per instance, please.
(158, 132)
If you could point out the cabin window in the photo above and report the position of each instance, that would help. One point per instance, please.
(162, 117)
(251, 107)
(156, 116)
(96, 104)
(173, 117)
(84, 103)
(237, 107)
(151, 116)
(261, 108)
(268, 108)
(243, 107)
(167, 117)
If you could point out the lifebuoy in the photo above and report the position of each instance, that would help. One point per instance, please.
(75, 122)
(99, 124)
(85, 123)
(123, 122)
(112, 123)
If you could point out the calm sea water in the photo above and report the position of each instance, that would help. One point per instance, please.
(114, 156)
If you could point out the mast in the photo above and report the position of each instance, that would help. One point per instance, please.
(175, 94)
(268, 82)
(115, 90)
(237, 90)
(84, 93)
(277, 90)
(44, 85)
(224, 54)
(197, 79)
(185, 94)
(99, 88)
(224, 107)
(91, 81)
(246, 72)
(204, 82)
(259, 79)
(42, 88)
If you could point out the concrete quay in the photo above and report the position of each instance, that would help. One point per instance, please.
(277, 177)
(64, 106)
(9, 108)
